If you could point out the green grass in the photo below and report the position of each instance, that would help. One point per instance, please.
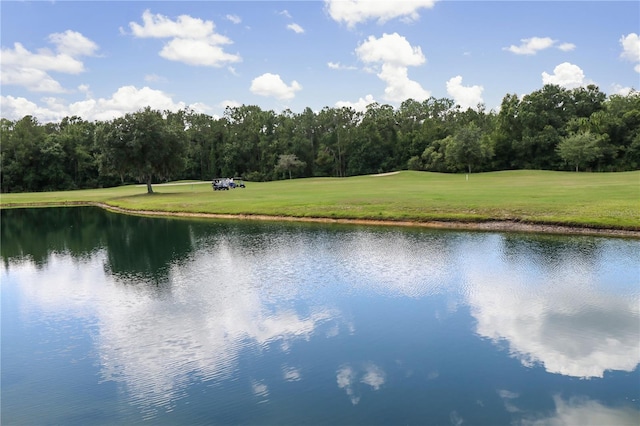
(600, 200)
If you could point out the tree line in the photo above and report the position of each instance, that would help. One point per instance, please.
(552, 128)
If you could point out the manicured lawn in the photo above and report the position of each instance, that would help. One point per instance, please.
(609, 200)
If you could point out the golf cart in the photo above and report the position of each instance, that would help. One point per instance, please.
(227, 183)
(236, 183)
(220, 185)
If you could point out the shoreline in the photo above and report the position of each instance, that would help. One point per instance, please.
(489, 226)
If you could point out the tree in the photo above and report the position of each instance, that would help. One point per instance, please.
(143, 145)
(20, 149)
(543, 115)
(579, 148)
(466, 148)
(288, 162)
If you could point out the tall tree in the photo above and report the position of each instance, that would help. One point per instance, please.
(543, 115)
(466, 149)
(143, 145)
(579, 148)
(289, 162)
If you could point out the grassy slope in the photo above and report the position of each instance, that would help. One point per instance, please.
(585, 199)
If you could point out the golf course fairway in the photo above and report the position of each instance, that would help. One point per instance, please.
(507, 200)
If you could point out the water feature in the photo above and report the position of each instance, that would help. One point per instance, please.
(115, 319)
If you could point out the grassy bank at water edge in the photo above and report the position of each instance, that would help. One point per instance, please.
(595, 200)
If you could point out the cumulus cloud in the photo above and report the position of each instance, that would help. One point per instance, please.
(566, 75)
(620, 90)
(197, 52)
(272, 85)
(465, 96)
(193, 41)
(125, 99)
(631, 49)
(392, 49)
(229, 103)
(73, 43)
(360, 105)
(33, 79)
(296, 28)
(353, 12)
(393, 54)
(531, 46)
(21, 67)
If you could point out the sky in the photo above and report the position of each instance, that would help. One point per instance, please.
(102, 59)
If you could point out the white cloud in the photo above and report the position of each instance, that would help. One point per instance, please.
(296, 28)
(197, 52)
(353, 12)
(272, 85)
(193, 41)
(531, 46)
(229, 103)
(33, 79)
(159, 26)
(617, 89)
(631, 49)
(567, 47)
(399, 86)
(285, 13)
(21, 67)
(44, 59)
(360, 105)
(465, 96)
(126, 99)
(339, 66)
(395, 54)
(566, 75)
(16, 108)
(234, 18)
(391, 49)
(73, 43)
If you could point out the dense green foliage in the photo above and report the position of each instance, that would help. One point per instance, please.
(551, 128)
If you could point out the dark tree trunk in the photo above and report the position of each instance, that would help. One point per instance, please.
(149, 188)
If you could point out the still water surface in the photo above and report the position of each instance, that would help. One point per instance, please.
(114, 319)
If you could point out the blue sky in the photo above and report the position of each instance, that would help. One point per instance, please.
(100, 60)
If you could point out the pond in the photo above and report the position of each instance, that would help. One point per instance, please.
(116, 319)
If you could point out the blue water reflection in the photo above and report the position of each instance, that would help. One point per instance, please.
(235, 322)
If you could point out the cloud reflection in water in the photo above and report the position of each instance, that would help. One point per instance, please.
(563, 320)
(267, 291)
